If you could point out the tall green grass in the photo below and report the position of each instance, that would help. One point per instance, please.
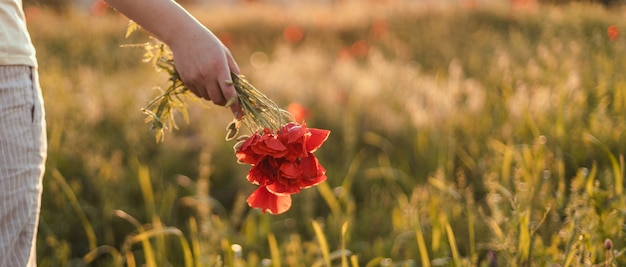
(460, 137)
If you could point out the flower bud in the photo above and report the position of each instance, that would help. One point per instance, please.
(608, 244)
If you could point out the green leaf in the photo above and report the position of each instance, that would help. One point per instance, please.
(274, 251)
(421, 244)
(456, 257)
(321, 238)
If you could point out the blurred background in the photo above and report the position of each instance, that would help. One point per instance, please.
(463, 133)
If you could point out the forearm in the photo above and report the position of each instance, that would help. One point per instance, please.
(203, 62)
(166, 19)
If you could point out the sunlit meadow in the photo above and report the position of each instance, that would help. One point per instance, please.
(461, 136)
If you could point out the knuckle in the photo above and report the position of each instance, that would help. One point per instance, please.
(219, 102)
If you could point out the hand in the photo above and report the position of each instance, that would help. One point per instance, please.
(203, 62)
(205, 66)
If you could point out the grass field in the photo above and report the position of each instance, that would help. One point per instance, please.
(460, 137)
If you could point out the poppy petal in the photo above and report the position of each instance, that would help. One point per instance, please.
(244, 152)
(284, 187)
(313, 172)
(310, 166)
(269, 145)
(268, 202)
(262, 173)
(274, 144)
(296, 132)
(317, 138)
(290, 170)
(309, 182)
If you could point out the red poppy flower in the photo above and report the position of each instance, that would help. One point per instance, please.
(301, 140)
(31, 12)
(613, 32)
(293, 34)
(244, 151)
(268, 202)
(306, 172)
(360, 48)
(269, 145)
(282, 163)
(99, 8)
(265, 172)
(227, 39)
(299, 112)
(282, 176)
(292, 141)
(379, 28)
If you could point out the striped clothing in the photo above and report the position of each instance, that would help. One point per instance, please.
(22, 158)
(22, 139)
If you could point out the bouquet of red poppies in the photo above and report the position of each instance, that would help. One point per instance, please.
(282, 164)
(279, 150)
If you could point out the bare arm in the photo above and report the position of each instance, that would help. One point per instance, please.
(204, 63)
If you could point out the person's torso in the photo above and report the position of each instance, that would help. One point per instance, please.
(16, 47)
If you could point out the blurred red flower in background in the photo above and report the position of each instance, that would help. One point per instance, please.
(360, 48)
(226, 38)
(98, 8)
(298, 111)
(293, 34)
(613, 32)
(31, 13)
(282, 164)
(379, 28)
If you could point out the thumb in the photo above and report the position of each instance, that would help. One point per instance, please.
(230, 94)
(235, 106)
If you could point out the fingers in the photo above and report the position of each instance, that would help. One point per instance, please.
(199, 92)
(224, 93)
(235, 107)
(215, 80)
(193, 80)
(227, 91)
(210, 78)
(231, 63)
(208, 85)
(230, 94)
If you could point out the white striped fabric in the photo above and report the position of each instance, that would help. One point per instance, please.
(22, 158)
